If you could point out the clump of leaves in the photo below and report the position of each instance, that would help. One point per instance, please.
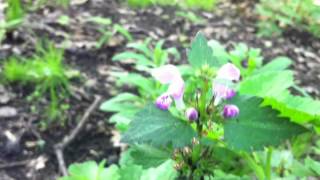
(46, 71)
(14, 10)
(276, 16)
(11, 18)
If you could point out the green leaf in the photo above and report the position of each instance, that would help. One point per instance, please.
(164, 171)
(132, 172)
(122, 102)
(220, 52)
(257, 127)
(298, 109)
(141, 59)
(143, 83)
(99, 20)
(313, 165)
(267, 84)
(123, 31)
(300, 170)
(142, 47)
(157, 127)
(121, 121)
(90, 170)
(201, 53)
(149, 156)
(277, 64)
(64, 20)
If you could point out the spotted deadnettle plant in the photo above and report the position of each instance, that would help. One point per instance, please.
(218, 117)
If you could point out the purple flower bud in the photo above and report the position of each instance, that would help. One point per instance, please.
(164, 101)
(230, 111)
(192, 114)
(244, 63)
(230, 93)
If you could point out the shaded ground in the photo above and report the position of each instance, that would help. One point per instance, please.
(94, 142)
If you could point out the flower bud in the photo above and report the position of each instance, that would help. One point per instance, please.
(192, 114)
(245, 63)
(230, 111)
(186, 151)
(163, 102)
(195, 141)
(178, 166)
(230, 93)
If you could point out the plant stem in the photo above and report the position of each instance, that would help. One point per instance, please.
(254, 166)
(202, 107)
(268, 163)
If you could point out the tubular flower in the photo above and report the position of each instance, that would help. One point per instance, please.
(229, 72)
(169, 74)
(192, 114)
(230, 111)
(164, 101)
(226, 74)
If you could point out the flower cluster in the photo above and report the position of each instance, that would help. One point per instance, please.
(221, 89)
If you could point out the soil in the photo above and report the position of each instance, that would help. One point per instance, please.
(228, 24)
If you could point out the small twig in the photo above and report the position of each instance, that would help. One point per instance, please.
(69, 138)
(62, 164)
(14, 164)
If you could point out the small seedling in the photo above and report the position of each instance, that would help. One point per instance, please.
(190, 4)
(107, 30)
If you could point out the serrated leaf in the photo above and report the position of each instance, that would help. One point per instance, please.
(201, 53)
(277, 64)
(149, 156)
(257, 127)
(267, 84)
(157, 127)
(298, 109)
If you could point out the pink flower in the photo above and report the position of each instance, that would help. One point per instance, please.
(221, 86)
(169, 74)
(229, 72)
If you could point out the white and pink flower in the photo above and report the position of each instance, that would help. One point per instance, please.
(169, 74)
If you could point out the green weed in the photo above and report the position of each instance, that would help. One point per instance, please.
(45, 70)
